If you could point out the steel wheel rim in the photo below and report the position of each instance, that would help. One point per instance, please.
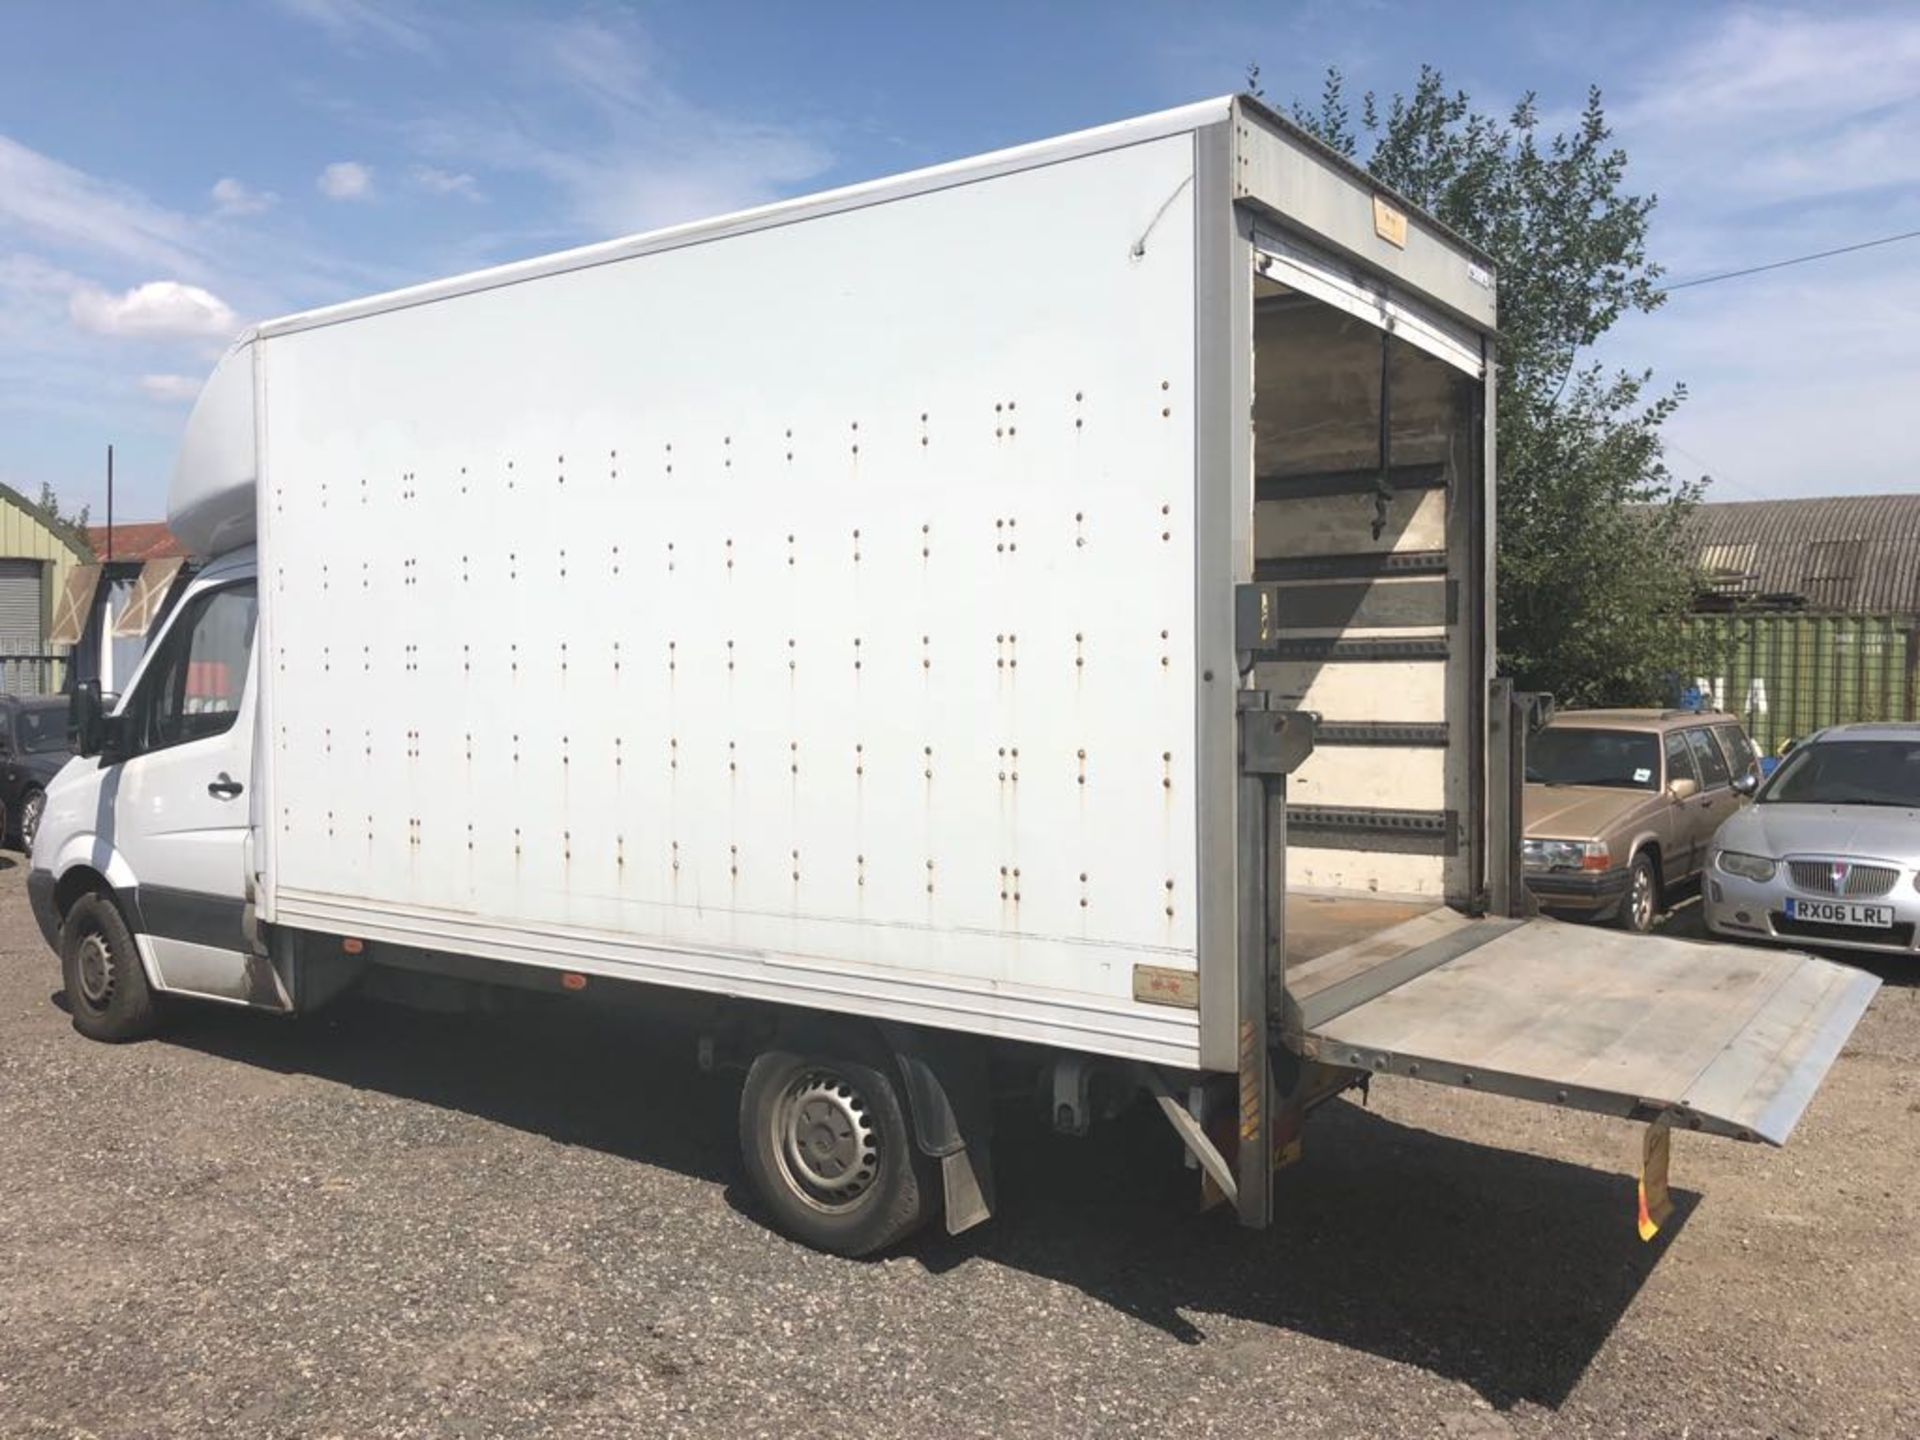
(30, 818)
(1641, 899)
(94, 970)
(825, 1141)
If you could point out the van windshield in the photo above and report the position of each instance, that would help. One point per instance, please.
(1622, 759)
(1849, 772)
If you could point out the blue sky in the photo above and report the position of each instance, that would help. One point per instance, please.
(169, 173)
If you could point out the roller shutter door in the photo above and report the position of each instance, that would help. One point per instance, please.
(19, 624)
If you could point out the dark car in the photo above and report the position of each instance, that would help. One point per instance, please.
(33, 747)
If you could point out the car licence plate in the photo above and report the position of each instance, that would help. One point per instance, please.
(1841, 912)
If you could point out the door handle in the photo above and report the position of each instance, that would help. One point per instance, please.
(225, 788)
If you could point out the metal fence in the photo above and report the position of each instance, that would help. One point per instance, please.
(1787, 675)
(30, 668)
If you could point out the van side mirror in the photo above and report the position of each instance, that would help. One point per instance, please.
(1746, 784)
(1684, 787)
(93, 729)
(87, 714)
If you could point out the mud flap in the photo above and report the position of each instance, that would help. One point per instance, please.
(950, 1103)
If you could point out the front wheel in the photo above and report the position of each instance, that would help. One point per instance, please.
(1640, 906)
(107, 991)
(829, 1149)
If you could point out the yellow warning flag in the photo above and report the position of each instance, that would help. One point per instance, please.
(1656, 1205)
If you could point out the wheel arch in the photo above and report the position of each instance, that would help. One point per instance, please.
(1648, 844)
(82, 876)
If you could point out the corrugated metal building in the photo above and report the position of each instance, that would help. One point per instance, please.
(35, 561)
(1811, 611)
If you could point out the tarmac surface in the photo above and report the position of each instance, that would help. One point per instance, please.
(374, 1222)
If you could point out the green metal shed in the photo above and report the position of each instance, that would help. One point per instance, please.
(1812, 615)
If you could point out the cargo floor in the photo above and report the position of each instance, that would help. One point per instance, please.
(1320, 924)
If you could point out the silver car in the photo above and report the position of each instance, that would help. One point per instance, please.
(1829, 852)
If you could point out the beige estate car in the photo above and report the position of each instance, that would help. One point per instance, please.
(1621, 806)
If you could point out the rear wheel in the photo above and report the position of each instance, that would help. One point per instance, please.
(1640, 906)
(829, 1149)
(107, 992)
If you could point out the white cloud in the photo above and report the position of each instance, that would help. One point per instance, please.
(593, 111)
(172, 387)
(1772, 133)
(160, 309)
(234, 197)
(446, 182)
(48, 202)
(346, 180)
(347, 22)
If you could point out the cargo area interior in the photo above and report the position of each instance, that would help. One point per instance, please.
(1360, 441)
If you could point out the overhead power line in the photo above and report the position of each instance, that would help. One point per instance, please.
(1796, 260)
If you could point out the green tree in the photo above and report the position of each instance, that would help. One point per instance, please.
(1593, 571)
(70, 523)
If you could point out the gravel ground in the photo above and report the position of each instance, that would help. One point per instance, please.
(381, 1223)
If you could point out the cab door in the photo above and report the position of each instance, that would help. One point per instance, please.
(1716, 800)
(1682, 824)
(180, 808)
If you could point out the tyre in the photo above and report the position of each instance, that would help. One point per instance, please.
(1640, 906)
(830, 1152)
(32, 805)
(107, 991)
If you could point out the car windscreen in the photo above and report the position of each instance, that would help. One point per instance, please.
(41, 727)
(1624, 759)
(1848, 772)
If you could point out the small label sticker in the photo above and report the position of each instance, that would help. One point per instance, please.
(1159, 985)
(1642, 775)
(1389, 224)
(1480, 275)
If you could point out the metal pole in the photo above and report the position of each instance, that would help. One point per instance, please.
(109, 504)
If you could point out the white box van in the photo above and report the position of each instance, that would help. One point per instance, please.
(1031, 610)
